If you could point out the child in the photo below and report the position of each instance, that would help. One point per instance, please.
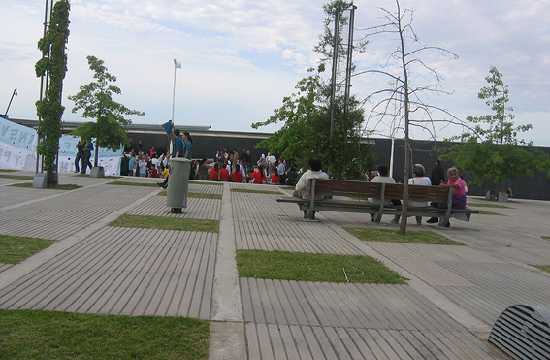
(224, 174)
(257, 177)
(275, 180)
(213, 173)
(237, 176)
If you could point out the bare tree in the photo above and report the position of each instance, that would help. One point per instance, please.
(402, 102)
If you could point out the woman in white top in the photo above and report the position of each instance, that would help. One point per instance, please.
(419, 178)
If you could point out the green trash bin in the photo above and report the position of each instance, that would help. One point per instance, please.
(176, 198)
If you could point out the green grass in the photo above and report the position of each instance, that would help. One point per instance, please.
(56, 187)
(489, 212)
(14, 249)
(314, 267)
(545, 268)
(166, 223)
(256, 191)
(31, 334)
(214, 183)
(545, 237)
(134, 183)
(495, 205)
(15, 177)
(8, 170)
(106, 177)
(393, 236)
(197, 195)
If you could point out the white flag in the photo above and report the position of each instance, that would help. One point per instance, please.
(178, 64)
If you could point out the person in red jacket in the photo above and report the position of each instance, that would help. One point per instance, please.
(275, 179)
(224, 174)
(213, 173)
(257, 177)
(237, 176)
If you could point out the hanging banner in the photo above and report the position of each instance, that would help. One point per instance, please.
(109, 159)
(17, 146)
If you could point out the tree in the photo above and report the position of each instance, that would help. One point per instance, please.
(492, 150)
(403, 101)
(54, 63)
(306, 115)
(95, 100)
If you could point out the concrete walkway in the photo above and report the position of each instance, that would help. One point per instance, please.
(444, 312)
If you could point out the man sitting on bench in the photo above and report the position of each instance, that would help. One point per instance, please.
(314, 172)
(383, 177)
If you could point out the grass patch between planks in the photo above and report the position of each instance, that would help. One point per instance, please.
(166, 223)
(284, 265)
(56, 187)
(202, 182)
(8, 171)
(489, 212)
(545, 268)
(197, 195)
(15, 177)
(393, 236)
(256, 191)
(133, 183)
(478, 204)
(545, 237)
(32, 334)
(14, 249)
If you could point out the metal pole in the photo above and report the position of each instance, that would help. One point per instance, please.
(41, 86)
(334, 71)
(391, 155)
(349, 59)
(174, 93)
(9, 105)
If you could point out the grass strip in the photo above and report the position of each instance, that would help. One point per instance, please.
(394, 236)
(545, 237)
(545, 268)
(197, 195)
(256, 191)
(166, 223)
(15, 177)
(14, 249)
(201, 182)
(489, 212)
(32, 334)
(133, 183)
(8, 170)
(284, 265)
(56, 187)
(477, 204)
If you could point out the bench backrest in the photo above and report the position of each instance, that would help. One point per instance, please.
(366, 189)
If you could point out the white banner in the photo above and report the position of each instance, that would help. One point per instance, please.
(18, 150)
(17, 146)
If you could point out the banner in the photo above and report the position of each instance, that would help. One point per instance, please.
(18, 150)
(17, 146)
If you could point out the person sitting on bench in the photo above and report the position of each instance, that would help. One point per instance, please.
(314, 172)
(459, 193)
(384, 178)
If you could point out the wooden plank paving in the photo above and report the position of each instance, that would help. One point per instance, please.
(263, 224)
(197, 208)
(4, 267)
(372, 306)
(268, 341)
(123, 271)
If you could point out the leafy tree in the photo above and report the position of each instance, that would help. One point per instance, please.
(305, 116)
(95, 100)
(492, 150)
(54, 63)
(306, 127)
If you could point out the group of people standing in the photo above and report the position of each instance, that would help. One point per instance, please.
(83, 155)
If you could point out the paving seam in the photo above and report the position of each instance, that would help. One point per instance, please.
(42, 257)
(455, 311)
(49, 197)
(226, 305)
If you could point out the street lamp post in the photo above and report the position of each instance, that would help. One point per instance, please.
(177, 65)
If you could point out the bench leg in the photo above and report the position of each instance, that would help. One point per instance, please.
(309, 215)
(444, 221)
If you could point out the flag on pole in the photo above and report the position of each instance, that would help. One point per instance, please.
(177, 63)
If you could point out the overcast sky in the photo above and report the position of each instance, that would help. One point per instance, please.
(239, 58)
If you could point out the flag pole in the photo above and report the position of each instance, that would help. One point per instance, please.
(174, 92)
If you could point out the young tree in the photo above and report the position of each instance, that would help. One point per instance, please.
(403, 101)
(306, 114)
(95, 100)
(492, 149)
(54, 63)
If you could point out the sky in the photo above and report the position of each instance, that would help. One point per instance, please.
(240, 58)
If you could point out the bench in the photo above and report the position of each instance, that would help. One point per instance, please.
(319, 196)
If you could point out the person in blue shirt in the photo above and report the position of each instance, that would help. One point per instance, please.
(178, 145)
(187, 145)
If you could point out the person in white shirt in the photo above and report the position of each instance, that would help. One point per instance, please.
(383, 177)
(314, 172)
(419, 178)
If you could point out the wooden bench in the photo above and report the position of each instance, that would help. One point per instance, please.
(376, 199)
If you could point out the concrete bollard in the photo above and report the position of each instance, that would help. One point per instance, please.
(176, 198)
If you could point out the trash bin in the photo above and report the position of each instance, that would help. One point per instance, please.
(176, 198)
